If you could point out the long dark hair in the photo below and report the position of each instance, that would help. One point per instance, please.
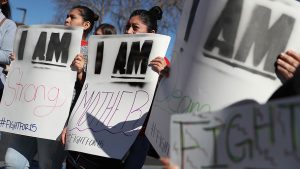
(87, 15)
(5, 9)
(150, 17)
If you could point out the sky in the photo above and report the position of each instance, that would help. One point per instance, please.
(42, 12)
(38, 11)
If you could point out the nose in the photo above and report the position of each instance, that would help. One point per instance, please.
(67, 21)
(130, 30)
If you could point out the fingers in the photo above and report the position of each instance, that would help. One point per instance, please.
(290, 59)
(159, 61)
(287, 66)
(286, 74)
(293, 54)
(158, 64)
(165, 160)
(287, 63)
(78, 59)
(12, 56)
(63, 136)
(167, 163)
(78, 63)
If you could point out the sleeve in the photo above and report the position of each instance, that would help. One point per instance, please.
(166, 71)
(7, 42)
(167, 61)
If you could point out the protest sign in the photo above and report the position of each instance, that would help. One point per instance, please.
(39, 87)
(243, 136)
(225, 52)
(117, 93)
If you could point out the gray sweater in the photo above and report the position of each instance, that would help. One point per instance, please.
(7, 37)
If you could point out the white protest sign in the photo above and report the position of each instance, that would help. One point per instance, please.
(245, 136)
(117, 93)
(39, 87)
(225, 52)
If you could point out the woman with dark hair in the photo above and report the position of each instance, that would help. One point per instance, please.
(5, 9)
(105, 29)
(51, 154)
(84, 17)
(144, 21)
(75, 159)
(7, 36)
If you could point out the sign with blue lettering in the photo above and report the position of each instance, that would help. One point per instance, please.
(240, 136)
(39, 87)
(225, 52)
(117, 93)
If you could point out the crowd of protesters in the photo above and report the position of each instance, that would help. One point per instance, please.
(50, 154)
(24, 151)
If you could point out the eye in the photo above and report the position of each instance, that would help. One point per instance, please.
(135, 27)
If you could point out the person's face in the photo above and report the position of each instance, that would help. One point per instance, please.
(3, 2)
(74, 18)
(99, 32)
(135, 25)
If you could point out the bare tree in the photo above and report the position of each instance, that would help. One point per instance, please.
(63, 6)
(117, 12)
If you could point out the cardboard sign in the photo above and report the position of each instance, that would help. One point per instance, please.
(244, 136)
(39, 87)
(117, 93)
(225, 52)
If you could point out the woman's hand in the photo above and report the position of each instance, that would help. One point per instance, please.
(78, 63)
(158, 64)
(12, 56)
(63, 135)
(167, 163)
(287, 63)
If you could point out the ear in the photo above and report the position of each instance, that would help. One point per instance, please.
(86, 25)
(4, 2)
